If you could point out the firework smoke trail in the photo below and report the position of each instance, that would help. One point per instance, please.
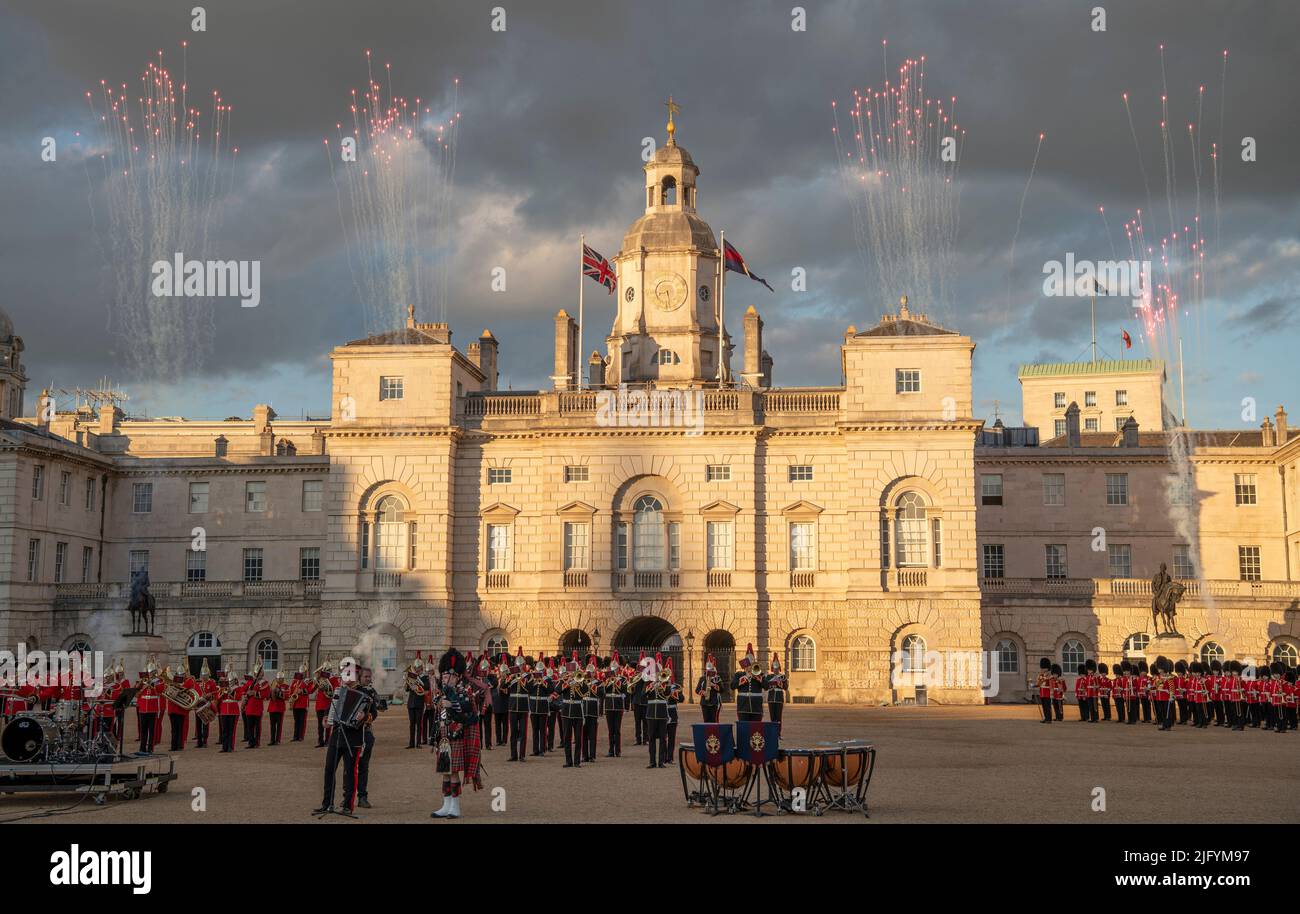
(1179, 289)
(162, 169)
(1020, 217)
(395, 201)
(905, 197)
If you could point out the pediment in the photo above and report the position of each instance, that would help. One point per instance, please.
(576, 509)
(802, 508)
(720, 508)
(499, 511)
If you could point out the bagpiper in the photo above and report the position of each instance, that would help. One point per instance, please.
(709, 689)
(457, 744)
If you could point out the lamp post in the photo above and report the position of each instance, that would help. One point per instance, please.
(690, 668)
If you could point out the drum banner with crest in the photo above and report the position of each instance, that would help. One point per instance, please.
(713, 744)
(758, 741)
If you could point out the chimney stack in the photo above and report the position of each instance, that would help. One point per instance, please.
(765, 363)
(595, 370)
(1130, 431)
(484, 355)
(110, 417)
(1266, 437)
(566, 352)
(1279, 419)
(1072, 436)
(753, 373)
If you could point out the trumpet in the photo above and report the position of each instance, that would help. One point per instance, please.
(322, 680)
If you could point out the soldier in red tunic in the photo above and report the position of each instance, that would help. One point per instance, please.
(148, 702)
(1044, 686)
(1081, 690)
(257, 691)
(277, 694)
(323, 699)
(1058, 692)
(1290, 700)
(299, 700)
(1103, 690)
(228, 712)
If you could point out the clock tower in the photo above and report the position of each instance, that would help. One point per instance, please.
(666, 326)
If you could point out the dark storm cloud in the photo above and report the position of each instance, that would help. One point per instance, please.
(554, 112)
(1268, 316)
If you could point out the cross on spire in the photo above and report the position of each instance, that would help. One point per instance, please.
(673, 109)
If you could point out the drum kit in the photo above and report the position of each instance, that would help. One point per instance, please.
(831, 776)
(67, 734)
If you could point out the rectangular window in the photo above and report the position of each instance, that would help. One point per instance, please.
(1117, 488)
(1121, 398)
(1090, 398)
(936, 540)
(90, 493)
(1059, 428)
(907, 380)
(674, 545)
(309, 563)
(1179, 489)
(803, 547)
(38, 482)
(1092, 425)
(1119, 423)
(498, 554)
(390, 388)
(411, 530)
(995, 564)
(1120, 557)
(1244, 486)
(1056, 566)
(65, 488)
(991, 489)
(576, 551)
(577, 474)
(138, 560)
(196, 566)
(365, 544)
(800, 472)
(87, 564)
(1183, 561)
(620, 535)
(255, 497)
(142, 498)
(252, 565)
(718, 534)
(718, 472)
(313, 494)
(498, 476)
(1247, 560)
(1054, 489)
(199, 497)
(1058, 399)
(60, 561)
(33, 558)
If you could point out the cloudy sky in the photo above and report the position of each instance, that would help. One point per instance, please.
(553, 113)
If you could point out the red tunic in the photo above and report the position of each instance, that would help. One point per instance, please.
(323, 700)
(301, 691)
(276, 705)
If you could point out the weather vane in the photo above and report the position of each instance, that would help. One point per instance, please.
(673, 108)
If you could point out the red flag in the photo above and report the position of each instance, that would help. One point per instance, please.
(1128, 340)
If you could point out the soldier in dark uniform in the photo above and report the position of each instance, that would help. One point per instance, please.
(775, 683)
(590, 712)
(539, 707)
(417, 684)
(674, 698)
(656, 715)
(613, 696)
(639, 703)
(488, 676)
(747, 683)
(517, 688)
(500, 702)
(572, 690)
(709, 688)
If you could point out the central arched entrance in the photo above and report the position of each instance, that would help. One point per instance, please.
(652, 635)
(575, 639)
(722, 646)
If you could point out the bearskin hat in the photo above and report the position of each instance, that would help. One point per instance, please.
(1142, 666)
(1103, 669)
(1090, 666)
(1056, 669)
(453, 661)
(1044, 664)
(1180, 666)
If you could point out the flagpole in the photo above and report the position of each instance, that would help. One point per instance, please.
(722, 282)
(582, 254)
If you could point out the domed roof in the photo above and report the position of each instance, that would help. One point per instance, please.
(672, 154)
(657, 231)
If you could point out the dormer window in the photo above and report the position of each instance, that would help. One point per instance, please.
(668, 191)
(668, 357)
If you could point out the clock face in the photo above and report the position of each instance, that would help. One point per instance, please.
(630, 293)
(704, 293)
(670, 291)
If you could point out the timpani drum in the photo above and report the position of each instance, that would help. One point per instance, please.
(691, 763)
(797, 768)
(844, 768)
(734, 774)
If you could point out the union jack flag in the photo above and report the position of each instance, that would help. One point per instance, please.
(598, 268)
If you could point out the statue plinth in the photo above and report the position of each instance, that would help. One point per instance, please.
(135, 649)
(1168, 644)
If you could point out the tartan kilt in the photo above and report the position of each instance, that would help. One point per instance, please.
(465, 755)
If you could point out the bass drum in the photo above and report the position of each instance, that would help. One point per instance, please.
(27, 736)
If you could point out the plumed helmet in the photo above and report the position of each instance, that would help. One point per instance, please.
(452, 662)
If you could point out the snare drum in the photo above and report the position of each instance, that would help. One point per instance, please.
(66, 711)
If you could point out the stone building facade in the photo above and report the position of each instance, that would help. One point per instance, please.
(652, 498)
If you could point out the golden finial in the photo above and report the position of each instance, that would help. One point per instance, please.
(673, 108)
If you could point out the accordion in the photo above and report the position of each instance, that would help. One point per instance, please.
(518, 703)
(656, 709)
(571, 709)
(615, 701)
(749, 702)
(349, 707)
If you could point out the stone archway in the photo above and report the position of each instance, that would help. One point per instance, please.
(575, 639)
(652, 635)
(722, 645)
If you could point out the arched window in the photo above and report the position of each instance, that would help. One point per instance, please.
(910, 531)
(648, 534)
(913, 654)
(268, 654)
(497, 644)
(1072, 656)
(1008, 656)
(204, 643)
(803, 654)
(1136, 643)
(1285, 653)
(668, 191)
(80, 646)
(390, 535)
(1211, 650)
